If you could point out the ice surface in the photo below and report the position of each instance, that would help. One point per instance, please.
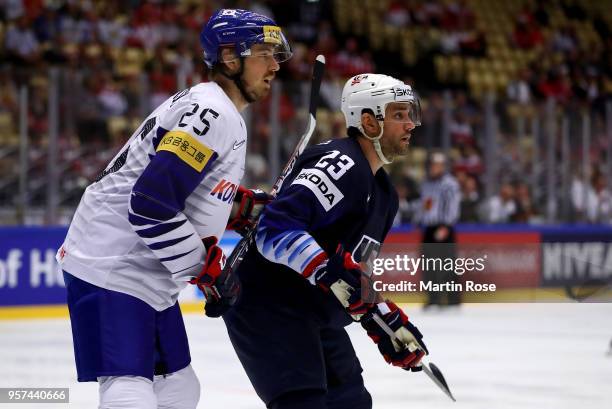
(494, 356)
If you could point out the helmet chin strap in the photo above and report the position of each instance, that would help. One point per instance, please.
(376, 142)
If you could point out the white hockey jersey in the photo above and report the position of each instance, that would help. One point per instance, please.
(138, 227)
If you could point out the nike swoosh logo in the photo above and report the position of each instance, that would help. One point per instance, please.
(238, 144)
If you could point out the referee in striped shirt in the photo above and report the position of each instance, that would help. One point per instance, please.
(438, 213)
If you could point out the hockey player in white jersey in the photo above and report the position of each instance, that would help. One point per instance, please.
(151, 221)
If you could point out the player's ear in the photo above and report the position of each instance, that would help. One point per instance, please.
(228, 57)
(369, 124)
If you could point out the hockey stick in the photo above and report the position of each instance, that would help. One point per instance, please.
(586, 290)
(228, 286)
(430, 369)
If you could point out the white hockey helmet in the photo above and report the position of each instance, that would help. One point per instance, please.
(375, 92)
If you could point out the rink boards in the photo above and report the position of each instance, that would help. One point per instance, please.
(525, 261)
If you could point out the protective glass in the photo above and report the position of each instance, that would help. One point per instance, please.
(403, 112)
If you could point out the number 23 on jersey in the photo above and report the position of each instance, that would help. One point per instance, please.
(335, 166)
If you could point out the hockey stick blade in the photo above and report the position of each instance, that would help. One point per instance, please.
(228, 285)
(436, 376)
(431, 370)
(589, 290)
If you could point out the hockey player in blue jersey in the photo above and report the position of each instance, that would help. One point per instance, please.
(150, 222)
(301, 282)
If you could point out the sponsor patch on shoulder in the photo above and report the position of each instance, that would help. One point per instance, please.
(187, 148)
(321, 185)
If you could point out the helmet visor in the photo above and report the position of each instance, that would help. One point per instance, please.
(278, 49)
(404, 112)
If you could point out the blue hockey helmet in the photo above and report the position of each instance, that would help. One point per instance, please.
(241, 29)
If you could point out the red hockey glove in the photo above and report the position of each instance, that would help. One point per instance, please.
(408, 349)
(221, 290)
(341, 275)
(213, 266)
(248, 204)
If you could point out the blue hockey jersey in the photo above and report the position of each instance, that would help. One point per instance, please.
(331, 197)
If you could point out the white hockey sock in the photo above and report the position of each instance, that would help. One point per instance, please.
(178, 390)
(126, 392)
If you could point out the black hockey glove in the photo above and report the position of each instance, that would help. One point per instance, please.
(408, 349)
(213, 283)
(342, 276)
(248, 204)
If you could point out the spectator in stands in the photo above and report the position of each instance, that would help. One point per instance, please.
(468, 107)
(470, 160)
(603, 209)
(555, 85)
(9, 93)
(578, 193)
(474, 44)
(38, 112)
(398, 13)
(509, 159)
(526, 35)
(525, 210)
(564, 40)
(501, 208)
(91, 126)
(162, 77)
(12, 9)
(585, 85)
(21, 45)
(350, 61)
(404, 213)
(94, 59)
(430, 12)
(461, 130)
(470, 199)
(257, 166)
(451, 39)
(111, 100)
(111, 27)
(458, 15)
(408, 194)
(185, 64)
(78, 26)
(47, 26)
(168, 27)
(525, 15)
(598, 207)
(519, 89)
